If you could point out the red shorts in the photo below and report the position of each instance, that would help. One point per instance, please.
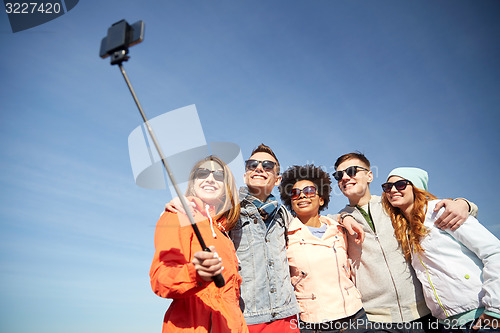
(285, 325)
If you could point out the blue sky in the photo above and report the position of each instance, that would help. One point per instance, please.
(408, 83)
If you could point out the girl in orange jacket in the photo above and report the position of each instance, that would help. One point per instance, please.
(183, 272)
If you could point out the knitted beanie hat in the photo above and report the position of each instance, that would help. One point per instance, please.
(418, 177)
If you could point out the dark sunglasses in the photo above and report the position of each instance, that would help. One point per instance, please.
(309, 191)
(399, 185)
(266, 165)
(202, 173)
(350, 171)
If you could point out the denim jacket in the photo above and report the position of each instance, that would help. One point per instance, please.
(266, 291)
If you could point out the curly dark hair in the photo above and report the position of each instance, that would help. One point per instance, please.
(314, 174)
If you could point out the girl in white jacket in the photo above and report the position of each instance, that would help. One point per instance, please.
(459, 270)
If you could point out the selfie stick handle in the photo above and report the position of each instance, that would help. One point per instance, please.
(218, 279)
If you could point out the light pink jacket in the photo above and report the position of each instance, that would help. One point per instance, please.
(320, 273)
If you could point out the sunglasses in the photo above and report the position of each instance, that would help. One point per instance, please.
(399, 185)
(253, 164)
(202, 173)
(309, 191)
(350, 171)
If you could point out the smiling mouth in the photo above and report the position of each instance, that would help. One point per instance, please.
(303, 204)
(349, 185)
(208, 188)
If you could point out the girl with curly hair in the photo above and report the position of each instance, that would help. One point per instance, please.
(317, 256)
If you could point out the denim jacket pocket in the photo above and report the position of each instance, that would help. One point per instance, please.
(241, 243)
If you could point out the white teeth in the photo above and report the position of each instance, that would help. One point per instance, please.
(208, 188)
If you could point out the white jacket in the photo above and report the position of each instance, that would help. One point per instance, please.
(459, 270)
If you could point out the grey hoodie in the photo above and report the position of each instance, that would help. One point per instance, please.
(390, 291)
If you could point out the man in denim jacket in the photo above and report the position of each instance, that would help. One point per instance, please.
(267, 297)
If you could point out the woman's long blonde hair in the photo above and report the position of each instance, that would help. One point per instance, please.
(409, 233)
(230, 209)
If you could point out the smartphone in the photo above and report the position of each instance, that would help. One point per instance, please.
(121, 36)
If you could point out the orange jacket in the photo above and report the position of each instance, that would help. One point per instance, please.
(197, 306)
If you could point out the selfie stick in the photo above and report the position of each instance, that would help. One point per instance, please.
(122, 55)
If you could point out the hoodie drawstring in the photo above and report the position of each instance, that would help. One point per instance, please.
(207, 209)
